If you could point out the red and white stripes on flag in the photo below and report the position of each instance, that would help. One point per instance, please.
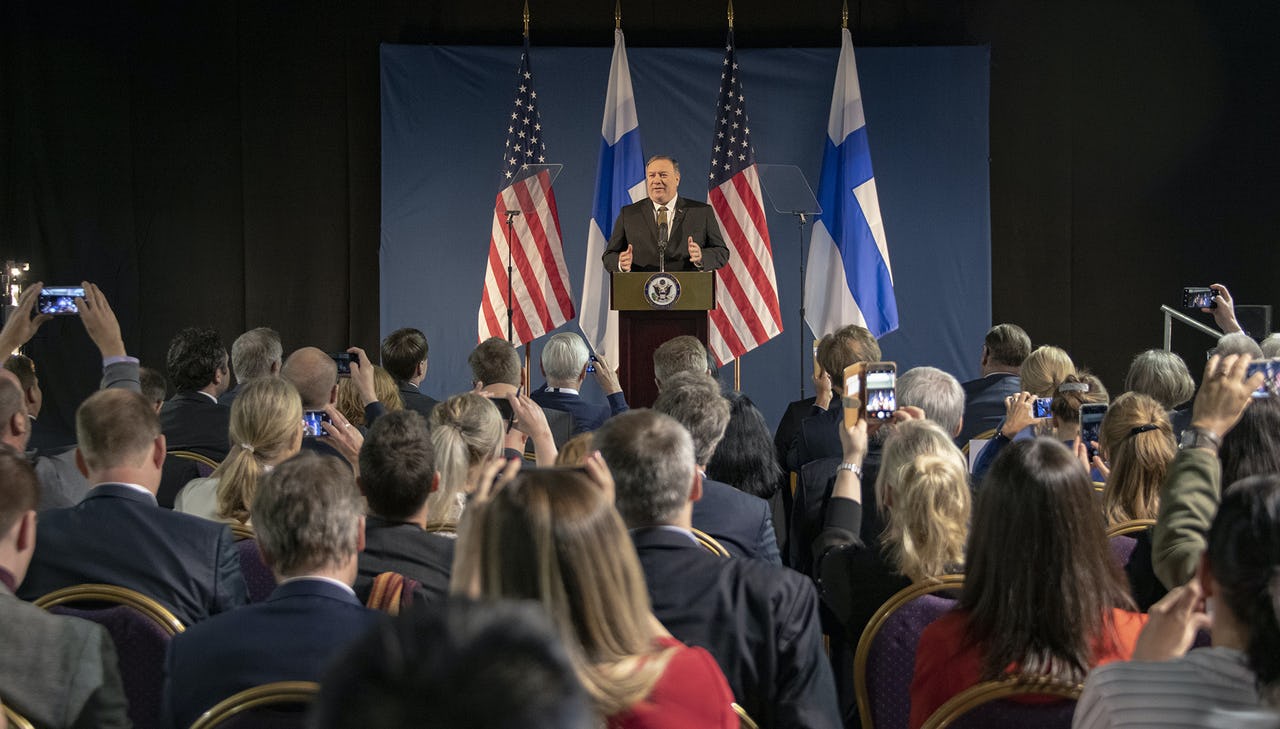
(747, 313)
(540, 298)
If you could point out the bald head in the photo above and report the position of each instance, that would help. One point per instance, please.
(13, 412)
(314, 373)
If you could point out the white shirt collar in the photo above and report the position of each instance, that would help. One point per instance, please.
(322, 578)
(563, 390)
(212, 399)
(670, 205)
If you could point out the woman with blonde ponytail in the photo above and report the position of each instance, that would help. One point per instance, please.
(466, 432)
(266, 430)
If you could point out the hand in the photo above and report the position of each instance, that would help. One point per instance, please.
(19, 328)
(1081, 451)
(599, 472)
(362, 376)
(624, 259)
(907, 412)
(1224, 393)
(822, 385)
(1172, 624)
(343, 436)
(853, 441)
(528, 419)
(100, 321)
(1101, 466)
(495, 474)
(606, 377)
(1017, 414)
(695, 252)
(1225, 311)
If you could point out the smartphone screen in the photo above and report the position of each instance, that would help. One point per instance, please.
(59, 300)
(1197, 297)
(881, 395)
(311, 420)
(591, 364)
(343, 360)
(1041, 407)
(1091, 425)
(1270, 368)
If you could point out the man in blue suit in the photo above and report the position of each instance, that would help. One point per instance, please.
(564, 363)
(1003, 350)
(309, 519)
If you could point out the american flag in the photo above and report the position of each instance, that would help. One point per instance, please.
(746, 313)
(540, 280)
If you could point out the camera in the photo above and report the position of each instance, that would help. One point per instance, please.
(59, 300)
(1040, 407)
(311, 420)
(1198, 297)
(343, 360)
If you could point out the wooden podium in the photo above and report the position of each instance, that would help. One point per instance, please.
(643, 326)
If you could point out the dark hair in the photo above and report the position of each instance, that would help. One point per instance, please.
(1067, 401)
(1252, 447)
(19, 489)
(402, 351)
(397, 464)
(1007, 344)
(746, 458)
(22, 366)
(463, 665)
(495, 361)
(195, 355)
(844, 347)
(1039, 575)
(154, 386)
(1244, 555)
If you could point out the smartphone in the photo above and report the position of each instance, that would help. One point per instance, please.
(591, 364)
(1040, 407)
(343, 360)
(1091, 425)
(59, 300)
(311, 420)
(852, 400)
(1270, 368)
(879, 390)
(504, 407)
(1198, 297)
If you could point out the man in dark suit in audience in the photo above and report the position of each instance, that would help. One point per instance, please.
(679, 354)
(57, 671)
(119, 536)
(742, 523)
(565, 360)
(496, 373)
(309, 521)
(1003, 350)
(256, 353)
(193, 419)
(759, 621)
(314, 373)
(404, 357)
(397, 474)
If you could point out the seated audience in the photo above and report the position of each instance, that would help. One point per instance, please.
(404, 356)
(118, 535)
(744, 459)
(462, 665)
(1163, 376)
(759, 620)
(266, 430)
(742, 523)
(466, 433)
(256, 353)
(1044, 369)
(397, 475)
(59, 672)
(555, 538)
(315, 375)
(496, 374)
(1167, 686)
(309, 520)
(1004, 349)
(679, 354)
(565, 359)
(193, 419)
(350, 403)
(1042, 594)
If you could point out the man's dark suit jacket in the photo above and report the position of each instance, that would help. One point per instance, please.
(742, 523)
(292, 636)
(638, 226)
(413, 398)
(191, 421)
(586, 416)
(229, 396)
(396, 546)
(119, 536)
(758, 620)
(819, 437)
(984, 403)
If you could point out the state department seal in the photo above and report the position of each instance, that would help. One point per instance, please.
(662, 290)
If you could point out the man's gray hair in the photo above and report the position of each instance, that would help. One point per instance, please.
(651, 458)
(306, 514)
(694, 400)
(675, 163)
(1162, 376)
(563, 357)
(1237, 343)
(253, 353)
(935, 392)
(1271, 346)
(681, 354)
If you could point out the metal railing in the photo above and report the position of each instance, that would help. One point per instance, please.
(1171, 314)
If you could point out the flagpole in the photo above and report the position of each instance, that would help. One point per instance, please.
(737, 374)
(617, 15)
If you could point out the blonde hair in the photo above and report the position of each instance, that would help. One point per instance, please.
(384, 386)
(575, 450)
(554, 537)
(923, 489)
(1139, 460)
(266, 420)
(1044, 369)
(466, 430)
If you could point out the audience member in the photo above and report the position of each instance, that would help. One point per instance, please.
(496, 374)
(1166, 686)
(760, 621)
(397, 474)
(565, 360)
(1271, 346)
(1162, 375)
(404, 355)
(315, 375)
(58, 672)
(1004, 349)
(680, 354)
(819, 435)
(555, 538)
(1237, 343)
(744, 459)
(1076, 390)
(309, 521)
(117, 535)
(1044, 369)
(797, 411)
(466, 433)
(575, 452)
(1223, 310)
(25, 370)
(937, 393)
(350, 403)
(154, 387)
(266, 428)
(463, 665)
(193, 419)
(1042, 594)
(256, 353)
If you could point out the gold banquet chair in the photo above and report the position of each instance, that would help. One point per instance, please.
(709, 543)
(16, 720)
(1124, 528)
(977, 705)
(744, 720)
(278, 695)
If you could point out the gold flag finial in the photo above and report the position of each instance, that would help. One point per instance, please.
(526, 18)
(844, 15)
(617, 15)
(730, 14)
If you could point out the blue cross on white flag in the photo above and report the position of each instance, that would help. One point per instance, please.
(848, 279)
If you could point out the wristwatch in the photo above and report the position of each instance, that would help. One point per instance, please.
(853, 468)
(1200, 438)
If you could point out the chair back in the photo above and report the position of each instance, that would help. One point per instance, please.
(442, 527)
(391, 593)
(1130, 527)
(258, 577)
(279, 705)
(886, 656)
(744, 719)
(1122, 549)
(989, 705)
(709, 543)
(141, 629)
(16, 720)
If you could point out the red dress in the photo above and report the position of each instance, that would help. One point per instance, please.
(691, 694)
(946, 665)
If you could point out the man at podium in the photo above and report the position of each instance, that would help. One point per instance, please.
(685, 231)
